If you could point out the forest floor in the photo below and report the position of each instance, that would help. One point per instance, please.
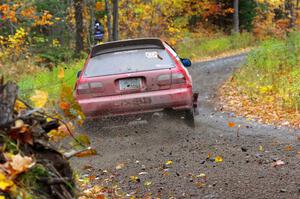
(223, 157)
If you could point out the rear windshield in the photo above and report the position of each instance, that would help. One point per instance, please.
(128, 62)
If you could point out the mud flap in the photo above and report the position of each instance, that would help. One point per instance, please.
(196, 103)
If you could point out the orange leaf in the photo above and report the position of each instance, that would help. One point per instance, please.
(64, 105)
(101, 196)
(86, 153)
(231, 124)
(98, 6)
(288, 148)
(61, 73)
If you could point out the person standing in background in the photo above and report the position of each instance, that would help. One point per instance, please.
(98, 32)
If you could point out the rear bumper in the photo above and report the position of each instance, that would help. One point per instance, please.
(178, 99)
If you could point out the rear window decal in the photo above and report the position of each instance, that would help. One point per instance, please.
(151, 55)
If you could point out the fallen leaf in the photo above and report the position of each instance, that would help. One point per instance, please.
(231, 124)
(100, 196)
(64, 105)
(5, 183)
(120, 166)
(208, 155)
(199, 184)
(20, 106)
(278, 163)
(298, 138)
(147, 183)
(134, 179)
(39, 99)
(21, 132)
(201, 175)
(260, 148)
(61, 73)
(86, 153)
(19, 124)
(84, 139)
(218, 159)
(143, 173)
(288, 148)
(92, 177)
(298, 152)
(169, 162)
(56, 135)
(21, 164)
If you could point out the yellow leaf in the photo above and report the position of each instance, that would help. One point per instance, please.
(5, 183)
(134, 178)
(61, 73)
(39, 99)
(218, 159)
(260, 148)
(19, 105)
(147, 183)
(169, 162)
(59, 134)
(2, 197)
(120, 166)
(201, 175)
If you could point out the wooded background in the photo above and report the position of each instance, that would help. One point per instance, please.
(54, 29)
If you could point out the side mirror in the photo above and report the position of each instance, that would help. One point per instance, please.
(78, 74)
(186, 62)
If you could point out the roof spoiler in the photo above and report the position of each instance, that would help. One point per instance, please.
(131, 44)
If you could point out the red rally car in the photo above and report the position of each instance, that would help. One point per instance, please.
(133, 77)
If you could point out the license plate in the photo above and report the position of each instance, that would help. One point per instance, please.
(129, 84)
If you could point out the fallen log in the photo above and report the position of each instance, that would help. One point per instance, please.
(28, 131)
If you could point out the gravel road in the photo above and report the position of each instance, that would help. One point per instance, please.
(249, 153)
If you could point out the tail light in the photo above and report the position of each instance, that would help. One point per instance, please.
(178, 78)
(164, 79)
(83, 88)
(86, 88)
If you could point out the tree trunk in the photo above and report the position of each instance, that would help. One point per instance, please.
(109, 31)
(236, 19)
(292, 11)
(8, 96)
(78, 5)
(116, 20)
(92, 21)
(297, 9)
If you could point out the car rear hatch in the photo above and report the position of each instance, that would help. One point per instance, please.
(125, 72)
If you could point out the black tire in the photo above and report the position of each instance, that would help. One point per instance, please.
(189, 118)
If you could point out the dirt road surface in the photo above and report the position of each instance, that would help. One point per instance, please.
(247, 167)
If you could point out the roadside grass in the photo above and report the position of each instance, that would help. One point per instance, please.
(197, 47)
(268, 85)
(48, 80)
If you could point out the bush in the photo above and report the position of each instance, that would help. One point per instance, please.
(52, 56)
(272, 73)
